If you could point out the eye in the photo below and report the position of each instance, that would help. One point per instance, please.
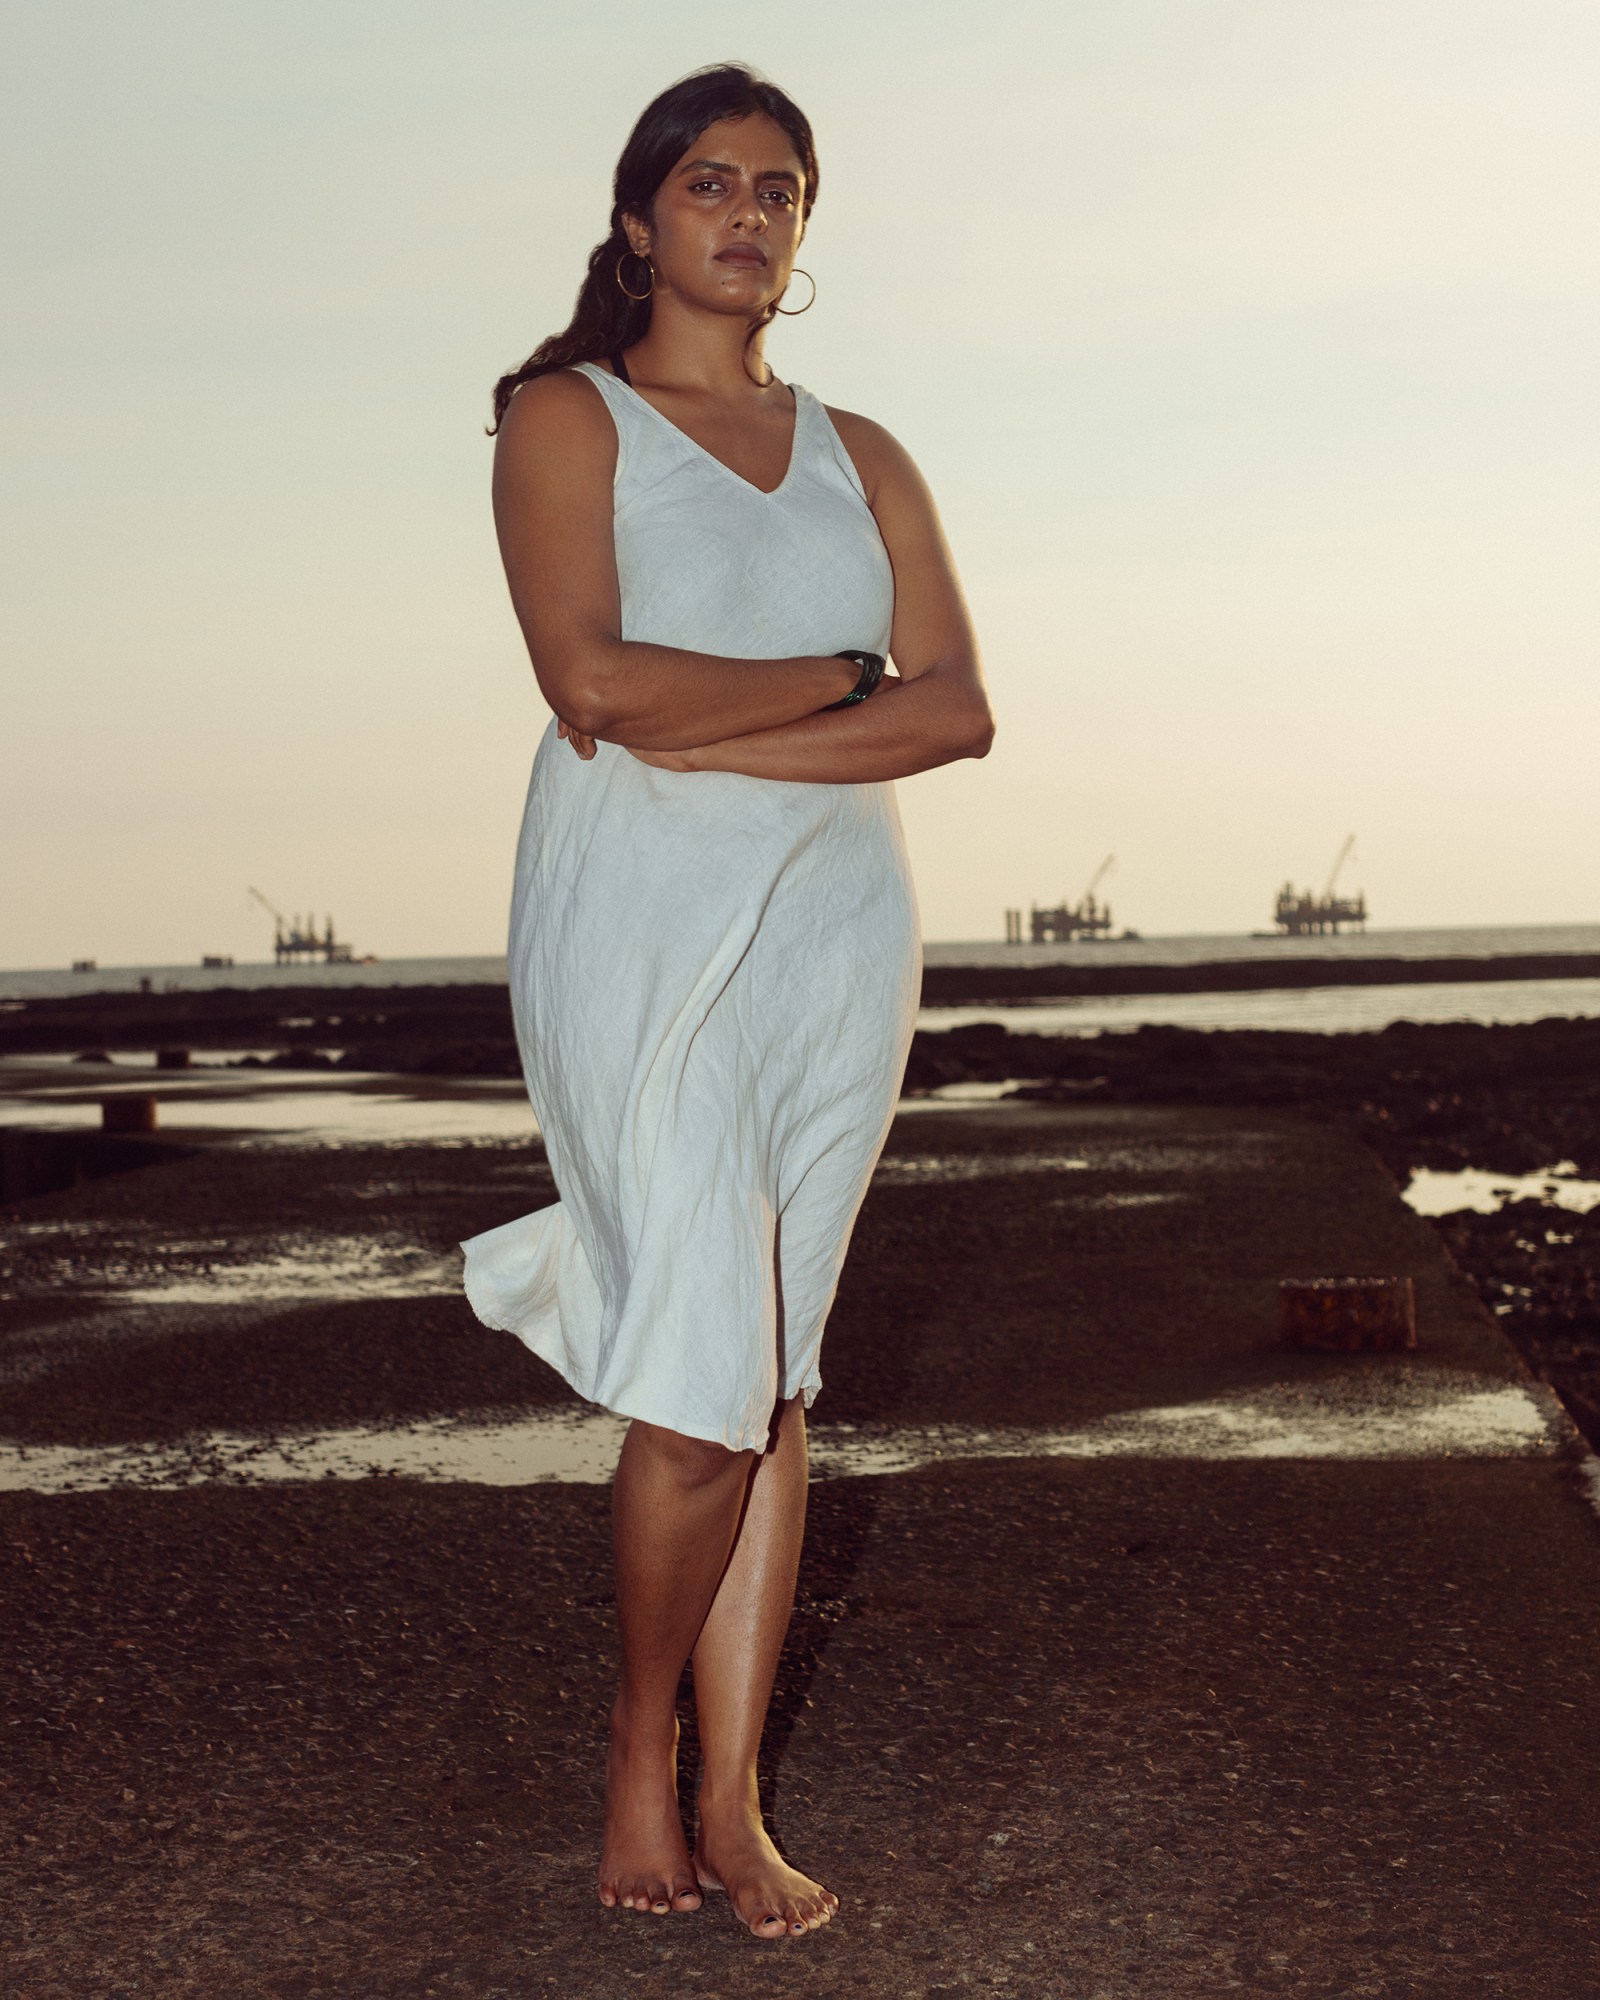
(783, 195)
(696, 186)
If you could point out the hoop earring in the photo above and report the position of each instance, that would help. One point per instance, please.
(637, 297)
(794, 312)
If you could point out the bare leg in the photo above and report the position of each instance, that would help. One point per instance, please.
(675, 1512)
(735, 1663)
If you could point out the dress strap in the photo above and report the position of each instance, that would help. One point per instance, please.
(619, 368)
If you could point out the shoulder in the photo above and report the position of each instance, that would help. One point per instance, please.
(887, 469)
(563, 414)
(885, 466)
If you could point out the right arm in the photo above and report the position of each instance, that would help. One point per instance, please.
(555, 459)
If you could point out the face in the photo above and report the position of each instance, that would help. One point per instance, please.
(727, 219)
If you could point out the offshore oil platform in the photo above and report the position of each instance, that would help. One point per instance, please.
(1298, 913)
(1086, 921)
(296, 941)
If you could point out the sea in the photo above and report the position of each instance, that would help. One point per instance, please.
(1320, 1009)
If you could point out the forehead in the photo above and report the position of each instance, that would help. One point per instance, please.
(755, 145)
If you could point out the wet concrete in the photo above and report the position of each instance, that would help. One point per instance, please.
(1418, 1419)
(1121, 1722)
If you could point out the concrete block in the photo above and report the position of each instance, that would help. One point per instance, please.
(1345, 1314)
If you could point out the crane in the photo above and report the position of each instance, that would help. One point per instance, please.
(1333, 873)
(1099, 876)
(277, 915)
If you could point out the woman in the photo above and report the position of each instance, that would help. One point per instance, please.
(714, 955)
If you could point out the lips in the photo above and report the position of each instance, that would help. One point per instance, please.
(754, 258)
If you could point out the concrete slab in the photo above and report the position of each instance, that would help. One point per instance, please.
(1107, 1726)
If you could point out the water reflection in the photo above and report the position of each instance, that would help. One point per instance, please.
(1425, 1414)
(359, 1108)
(1322, 1010)
(1440, 1193)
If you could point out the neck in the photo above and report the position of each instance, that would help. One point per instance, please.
(700, 351)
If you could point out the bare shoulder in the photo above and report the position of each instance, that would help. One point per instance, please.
(887, 469)
(561, 415)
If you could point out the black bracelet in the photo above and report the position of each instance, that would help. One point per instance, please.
(871, 665)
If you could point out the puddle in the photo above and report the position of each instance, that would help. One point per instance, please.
(200, 1061)
(143, 1267)
(270, 1107)
(1424, 1416)
(909, 1170)
(347, 1267)
(355, 1117)
(1438, 1193)
(943, 1095)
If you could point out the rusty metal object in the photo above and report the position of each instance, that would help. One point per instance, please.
(134, 1111)
(1348, 1314)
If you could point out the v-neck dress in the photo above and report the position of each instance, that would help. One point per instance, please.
(713, 977)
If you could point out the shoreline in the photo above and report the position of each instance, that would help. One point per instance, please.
(364, 1016)
(1512, 1100)
(981, 985)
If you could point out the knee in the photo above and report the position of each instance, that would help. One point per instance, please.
(690, 1462)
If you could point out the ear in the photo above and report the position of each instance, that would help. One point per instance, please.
(638, 233)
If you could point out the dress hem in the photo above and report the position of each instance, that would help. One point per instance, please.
(623, 1407)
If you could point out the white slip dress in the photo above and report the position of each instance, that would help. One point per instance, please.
(714, 977)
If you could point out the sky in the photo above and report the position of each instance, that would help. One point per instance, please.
(1249, 347)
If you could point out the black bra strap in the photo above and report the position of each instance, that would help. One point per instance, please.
(619, 368)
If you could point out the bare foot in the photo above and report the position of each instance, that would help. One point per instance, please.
(644, 1859)
(735, 1854)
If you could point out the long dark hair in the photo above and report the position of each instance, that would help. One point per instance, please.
(605, 319)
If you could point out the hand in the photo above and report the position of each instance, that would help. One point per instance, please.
(665, 760)
(584, 745)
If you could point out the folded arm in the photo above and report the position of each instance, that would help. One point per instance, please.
(555, 460)
(933, 710)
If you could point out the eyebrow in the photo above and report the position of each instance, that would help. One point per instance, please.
(723, 167)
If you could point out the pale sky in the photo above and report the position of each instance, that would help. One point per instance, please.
(1249, 346)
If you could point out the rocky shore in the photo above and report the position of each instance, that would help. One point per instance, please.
(985, 985)
(1511, 1100)
(388, 1017)
(408, 1030)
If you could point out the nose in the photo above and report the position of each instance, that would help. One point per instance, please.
(751, 215)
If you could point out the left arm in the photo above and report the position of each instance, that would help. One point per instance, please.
(936, 711)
